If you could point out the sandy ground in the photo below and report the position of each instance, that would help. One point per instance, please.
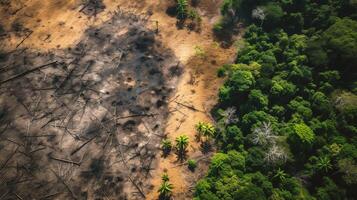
(59, 24)
(198, 88)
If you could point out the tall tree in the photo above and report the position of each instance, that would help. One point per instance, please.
(165, 190)
(182, 142)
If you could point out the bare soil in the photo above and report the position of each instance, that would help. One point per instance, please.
(87, 91)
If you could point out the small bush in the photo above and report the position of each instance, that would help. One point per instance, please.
(193, 14)
(166, 146)
(181, 9)
(218, 27)
(192, 164)
(200, 52)
(165, 177)
(221, 72)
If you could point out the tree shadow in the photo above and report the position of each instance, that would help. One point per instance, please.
(180, 24)
(224, 31)
(166, 152)
(206, 147)
(181, 156)
(164, 197)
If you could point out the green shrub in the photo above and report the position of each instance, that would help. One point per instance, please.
(192, 164)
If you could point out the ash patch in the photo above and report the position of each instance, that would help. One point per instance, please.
(92, 7)
(85, 122)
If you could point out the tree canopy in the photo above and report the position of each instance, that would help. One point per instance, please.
(292, 131)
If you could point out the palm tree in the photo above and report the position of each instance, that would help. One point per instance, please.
(217, 165)
(280, 175)
(165, 190)
(200, 126)
(181, 8)
(324, 164)
(166, 146)
(209, 131)
(205, 129)
(181, 145)
(165, 177)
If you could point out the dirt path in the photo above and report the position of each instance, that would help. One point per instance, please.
(59, 24)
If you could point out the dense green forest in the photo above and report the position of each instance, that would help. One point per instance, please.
(286, 120)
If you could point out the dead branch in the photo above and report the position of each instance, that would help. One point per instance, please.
(131, 180)
(27, 72)
(65, 184)
(84, 144)
(12, 141)
(4, 195)
(188, 106)
(18, 196)
(66, 161)
(23, 40)
(36, 136)
(24, 105)
(138, 115)
(39, 149)
(50, 195)
(4, 129)
(49, 121)
(8, 159)
(67, 78)
(137, 187)
(116, 127)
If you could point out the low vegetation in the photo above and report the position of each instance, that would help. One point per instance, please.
(166, 188)
(166, 146)
(187, 16)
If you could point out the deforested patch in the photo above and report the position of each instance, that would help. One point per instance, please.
(85, 122)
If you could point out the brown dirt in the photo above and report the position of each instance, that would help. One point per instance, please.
(58, 24)
(198, 87)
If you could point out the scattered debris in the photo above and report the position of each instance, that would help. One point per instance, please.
(79, 112)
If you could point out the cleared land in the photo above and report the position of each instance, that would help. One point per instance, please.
(88, 90)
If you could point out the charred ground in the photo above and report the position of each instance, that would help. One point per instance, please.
(86, 121)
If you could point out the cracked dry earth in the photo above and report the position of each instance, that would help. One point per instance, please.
(87, 92)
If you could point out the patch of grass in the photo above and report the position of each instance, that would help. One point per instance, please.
(200, 52)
